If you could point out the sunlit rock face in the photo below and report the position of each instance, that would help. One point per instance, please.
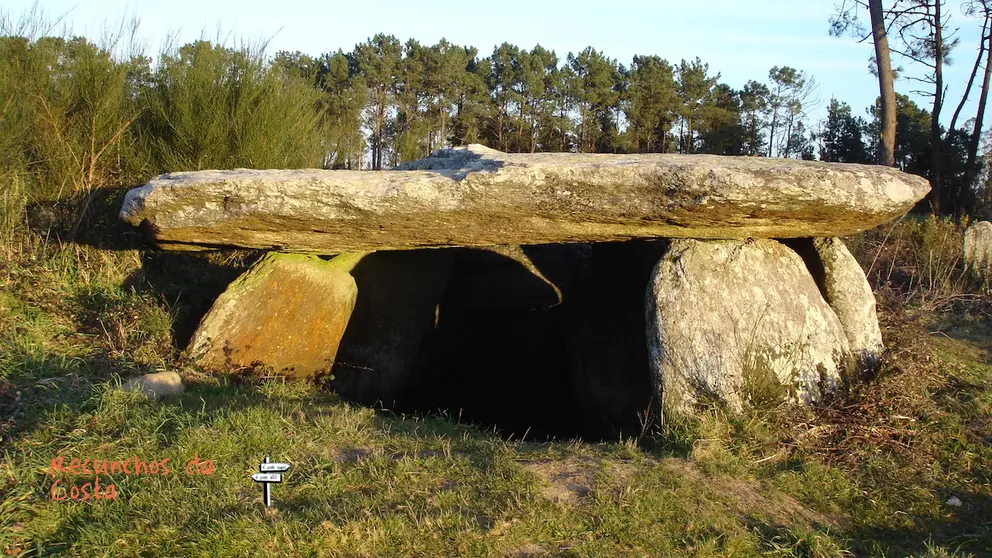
(978, 247)
(594, 293)
(286, 314)
(846, 289)
(474, 196)
(739, 322)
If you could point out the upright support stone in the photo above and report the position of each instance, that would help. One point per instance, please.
(398, 295)
(978, 247)
(846, 289)
(288, 312)
(738, 323)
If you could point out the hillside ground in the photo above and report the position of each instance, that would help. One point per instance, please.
(901, 465)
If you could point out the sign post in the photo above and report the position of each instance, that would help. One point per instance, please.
(269, 473)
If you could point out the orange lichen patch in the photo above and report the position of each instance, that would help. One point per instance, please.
(287, 313)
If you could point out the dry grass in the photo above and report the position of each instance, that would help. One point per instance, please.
(867, 474)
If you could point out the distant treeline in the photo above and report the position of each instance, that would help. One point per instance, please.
(75, 117)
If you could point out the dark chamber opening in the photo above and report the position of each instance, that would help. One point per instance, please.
(556, 355)
(502, 369)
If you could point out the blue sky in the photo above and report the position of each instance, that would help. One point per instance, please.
(739, 39)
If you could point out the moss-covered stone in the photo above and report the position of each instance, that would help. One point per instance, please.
(844, 286)
(287, 313)
(978, 248)
(724, 317)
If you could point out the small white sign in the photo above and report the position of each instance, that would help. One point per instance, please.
(266, 477)
(273, 467)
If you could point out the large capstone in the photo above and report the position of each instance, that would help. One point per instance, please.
(478, 197)
(739, 323)
(287, 313)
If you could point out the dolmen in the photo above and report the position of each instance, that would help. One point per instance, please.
(639, 282)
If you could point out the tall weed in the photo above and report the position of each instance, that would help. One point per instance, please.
(919, 259)
(80, 122)
(207, 106)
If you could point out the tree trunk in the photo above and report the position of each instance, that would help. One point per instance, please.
(533, 134)
(380, 114)
(582, 128)
(938, 100)
(499, 131)
(971, 166)
(688, 136)
(788, 137)
(664, 138)
(381, 137)
(771, 132)
(430, 141)
(520, 130)
(443, 138)
(751, 135)
(886, 90)
(971, 83)
(375, 141)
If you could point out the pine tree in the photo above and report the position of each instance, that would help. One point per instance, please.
(377, 62)
(651, 104)
(842, 136)
(695, 86)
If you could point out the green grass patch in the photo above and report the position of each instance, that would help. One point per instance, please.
(868, 475)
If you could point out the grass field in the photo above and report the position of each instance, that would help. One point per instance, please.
(869, 474)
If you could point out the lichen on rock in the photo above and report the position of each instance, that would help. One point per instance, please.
(739, 323)
(978, 247)
(287, 313)
(477, 197)
(844, 286)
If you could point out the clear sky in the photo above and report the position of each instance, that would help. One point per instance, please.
(739, 39)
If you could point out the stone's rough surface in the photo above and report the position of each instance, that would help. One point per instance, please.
(508, 277)
(474, 196)
(396, 311)
(288, 312)
(158, 384)
(978, 246)
(741, 322)
(848, 292)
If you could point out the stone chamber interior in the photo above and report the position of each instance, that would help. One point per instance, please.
(547, 342)
(553, 348)
(504, 369)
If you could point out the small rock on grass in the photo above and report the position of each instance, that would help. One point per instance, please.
(156, 385)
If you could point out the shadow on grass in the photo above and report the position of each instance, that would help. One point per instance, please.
(35, 387)
(488, 474)
(189, 283)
